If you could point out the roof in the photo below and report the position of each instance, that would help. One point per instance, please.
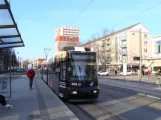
(41, 59)
(9, 34)
(127, 28)
(157, 36)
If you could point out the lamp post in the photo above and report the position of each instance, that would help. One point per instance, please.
(140, 53)
(46, 50)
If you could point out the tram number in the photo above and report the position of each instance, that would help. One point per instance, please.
(74, 84)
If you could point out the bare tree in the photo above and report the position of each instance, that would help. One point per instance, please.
(102, 46)
(105, 32)
(93, 37)
(97, 35)
(26, 63)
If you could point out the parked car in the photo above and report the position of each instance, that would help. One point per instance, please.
(103, 73)
(127, 73)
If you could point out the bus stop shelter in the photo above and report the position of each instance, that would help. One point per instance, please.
(10, 37)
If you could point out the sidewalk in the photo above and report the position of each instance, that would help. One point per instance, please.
(134, 78)
(41, 103)
(141, 87)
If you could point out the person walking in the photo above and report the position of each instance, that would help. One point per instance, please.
(116, 72)
(4, 102)
(149, 74)
(31, 75)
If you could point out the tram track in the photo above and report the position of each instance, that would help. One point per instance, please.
(105, 113)
(103, 110)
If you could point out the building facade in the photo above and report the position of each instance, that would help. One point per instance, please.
(37, 63)
(123, 46)
(156, 53)
(65, 37)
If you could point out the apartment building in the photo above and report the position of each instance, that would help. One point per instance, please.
(123, 46)
(66, 36)
(156, 53)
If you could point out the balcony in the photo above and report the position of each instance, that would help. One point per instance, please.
(124, 45)
(108, 56)
(124, 53)
(108, 49)
(108, 43)
(123, 38)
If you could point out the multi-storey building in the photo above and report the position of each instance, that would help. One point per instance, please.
(156, 53)
(123, 46)
(66, 36)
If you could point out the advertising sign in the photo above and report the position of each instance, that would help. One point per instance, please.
(124, 68)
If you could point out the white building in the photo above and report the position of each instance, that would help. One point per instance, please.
(156, 52)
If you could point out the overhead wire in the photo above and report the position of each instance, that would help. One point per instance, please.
(82, 11)
(157, 4)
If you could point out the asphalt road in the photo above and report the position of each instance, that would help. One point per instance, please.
(118, 104)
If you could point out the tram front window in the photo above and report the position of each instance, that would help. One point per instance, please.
(83, 67)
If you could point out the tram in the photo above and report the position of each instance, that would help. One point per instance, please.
(75, 74)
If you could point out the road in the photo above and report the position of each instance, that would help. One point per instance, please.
(118, 104)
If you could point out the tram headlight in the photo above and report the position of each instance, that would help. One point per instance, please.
(74, 92)
(95, 91)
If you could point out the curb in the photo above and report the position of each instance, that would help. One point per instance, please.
(127, 80)
(135, 89)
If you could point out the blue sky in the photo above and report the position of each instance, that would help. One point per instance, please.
(38, 19)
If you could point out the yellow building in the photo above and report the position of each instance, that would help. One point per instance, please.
(37, 63)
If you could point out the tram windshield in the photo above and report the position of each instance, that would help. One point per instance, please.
(83, 66)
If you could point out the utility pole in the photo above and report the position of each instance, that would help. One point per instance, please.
(140, 50)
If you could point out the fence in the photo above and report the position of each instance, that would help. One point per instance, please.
(5, 85)
(5, 76)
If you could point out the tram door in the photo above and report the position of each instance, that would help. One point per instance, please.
(62, 79)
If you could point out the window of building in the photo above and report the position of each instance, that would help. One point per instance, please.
(145, 36)
(145, 42)
(136, 58)
(145, 50)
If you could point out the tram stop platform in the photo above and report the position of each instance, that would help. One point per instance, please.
(41, 103)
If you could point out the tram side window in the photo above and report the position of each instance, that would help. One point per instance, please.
(63, 71)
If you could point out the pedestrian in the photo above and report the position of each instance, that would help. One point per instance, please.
(158, 72)
(149, 74)
(116, 72)
(31, 75)
(4, 103)
(138, 72)
(143, 72)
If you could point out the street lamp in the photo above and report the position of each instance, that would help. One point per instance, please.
(46, 50)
